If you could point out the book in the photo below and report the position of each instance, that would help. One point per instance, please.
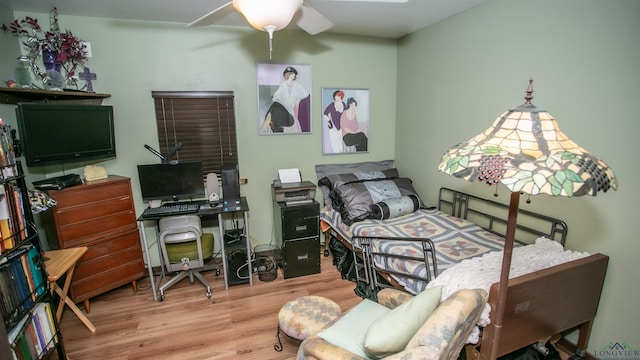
(24, 261)
(15, 331)
(36, 270)
(40, 313)
(38, 332)
(5, 231)
(52, 324)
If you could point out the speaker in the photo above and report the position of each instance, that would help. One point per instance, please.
(213, 189)
(230, 188)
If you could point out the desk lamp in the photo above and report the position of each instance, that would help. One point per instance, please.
(525, 150)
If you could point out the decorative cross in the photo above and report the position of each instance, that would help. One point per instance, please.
(87, 76)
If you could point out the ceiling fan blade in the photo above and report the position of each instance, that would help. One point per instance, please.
(376, 1)
(311, 21)
(214, 16)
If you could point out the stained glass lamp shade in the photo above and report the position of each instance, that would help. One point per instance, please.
(526, 151)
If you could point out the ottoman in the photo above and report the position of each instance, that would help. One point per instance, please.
(304, 316)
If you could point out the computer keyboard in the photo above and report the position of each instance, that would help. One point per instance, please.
(172, 209)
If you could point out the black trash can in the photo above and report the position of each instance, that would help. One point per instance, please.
(267, 261)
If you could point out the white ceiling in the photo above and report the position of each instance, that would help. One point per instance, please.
(370, 18)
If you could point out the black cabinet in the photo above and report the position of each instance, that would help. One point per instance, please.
(298, 231)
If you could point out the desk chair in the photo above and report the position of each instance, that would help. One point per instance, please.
(184, 249)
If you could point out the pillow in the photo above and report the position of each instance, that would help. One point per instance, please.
(391, 333)
(348, 332)
(354, 200)
(40, 201)
(333, 181)
(323, 170)
(395, 207)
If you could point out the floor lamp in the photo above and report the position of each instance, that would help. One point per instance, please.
(525, 150)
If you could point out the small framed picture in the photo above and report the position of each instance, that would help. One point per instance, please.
(345, 121)
(284, 99)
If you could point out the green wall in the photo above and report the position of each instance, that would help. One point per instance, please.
(133, 58)
(10, 48)
(457, 76)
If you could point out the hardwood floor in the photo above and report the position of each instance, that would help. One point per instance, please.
(239, 323)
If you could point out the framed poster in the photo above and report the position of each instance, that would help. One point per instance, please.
(345, 121)
(284, 99)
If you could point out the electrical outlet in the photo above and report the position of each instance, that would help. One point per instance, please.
(87, 48)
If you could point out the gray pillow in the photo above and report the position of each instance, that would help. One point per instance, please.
(323, 170)
(395, 207)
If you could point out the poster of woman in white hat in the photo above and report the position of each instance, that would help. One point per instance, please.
(284, 99)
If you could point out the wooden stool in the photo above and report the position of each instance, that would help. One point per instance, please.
(304, 316)
(58, 263)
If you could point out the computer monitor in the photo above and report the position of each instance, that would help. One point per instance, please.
(173, 182)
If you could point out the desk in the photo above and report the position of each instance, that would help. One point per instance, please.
(205, 211)
(58, 263)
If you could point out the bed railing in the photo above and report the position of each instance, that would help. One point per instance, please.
(368, 250)
(492, 216)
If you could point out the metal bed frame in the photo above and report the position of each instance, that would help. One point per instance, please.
(488, 214)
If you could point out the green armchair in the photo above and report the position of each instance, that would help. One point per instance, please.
(442, 328)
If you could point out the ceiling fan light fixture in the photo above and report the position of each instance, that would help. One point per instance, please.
(260, 13)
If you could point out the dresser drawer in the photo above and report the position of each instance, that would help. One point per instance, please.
(106, 279)
(85, 195)
(77, 214)
(79, 233)
(295, 227)
(111, 246)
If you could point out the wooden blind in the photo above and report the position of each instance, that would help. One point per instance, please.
(203, 121)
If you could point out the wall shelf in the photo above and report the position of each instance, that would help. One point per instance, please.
(15, 95)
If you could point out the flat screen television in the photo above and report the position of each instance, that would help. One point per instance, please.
(180, 181)
(65, 133)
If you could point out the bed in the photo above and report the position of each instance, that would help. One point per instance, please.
(411, 249)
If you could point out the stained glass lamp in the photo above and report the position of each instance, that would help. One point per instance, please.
(526, 151)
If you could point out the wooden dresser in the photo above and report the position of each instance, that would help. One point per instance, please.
(101, 216)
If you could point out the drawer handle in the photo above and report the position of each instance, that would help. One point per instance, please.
(301, 228)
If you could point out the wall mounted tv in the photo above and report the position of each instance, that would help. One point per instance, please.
(65, 133)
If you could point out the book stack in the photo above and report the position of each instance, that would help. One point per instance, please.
(12, 217)
(35, 334)
(21, 282)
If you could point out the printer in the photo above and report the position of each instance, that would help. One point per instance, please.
(293, 193)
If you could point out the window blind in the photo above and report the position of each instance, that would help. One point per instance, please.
(203, 121)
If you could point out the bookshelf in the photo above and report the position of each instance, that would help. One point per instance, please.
(28, 329)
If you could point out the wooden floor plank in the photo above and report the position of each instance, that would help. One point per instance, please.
(239, 323)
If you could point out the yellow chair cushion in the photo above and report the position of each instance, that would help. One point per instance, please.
(177, 251)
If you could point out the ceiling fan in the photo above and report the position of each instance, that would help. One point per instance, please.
(275, 15)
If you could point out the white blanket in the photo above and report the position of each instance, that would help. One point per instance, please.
(481, 272)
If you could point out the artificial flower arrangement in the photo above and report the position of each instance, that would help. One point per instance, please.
(56, 47)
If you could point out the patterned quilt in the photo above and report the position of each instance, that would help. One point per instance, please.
(455, 239)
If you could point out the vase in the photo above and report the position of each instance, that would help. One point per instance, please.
(22, 74)
(54, 79)
(49, 60)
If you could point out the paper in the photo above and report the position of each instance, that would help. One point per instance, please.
(289, 175)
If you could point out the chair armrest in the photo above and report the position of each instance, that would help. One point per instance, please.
(445, 332)
(314, 347)
(392, 298)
